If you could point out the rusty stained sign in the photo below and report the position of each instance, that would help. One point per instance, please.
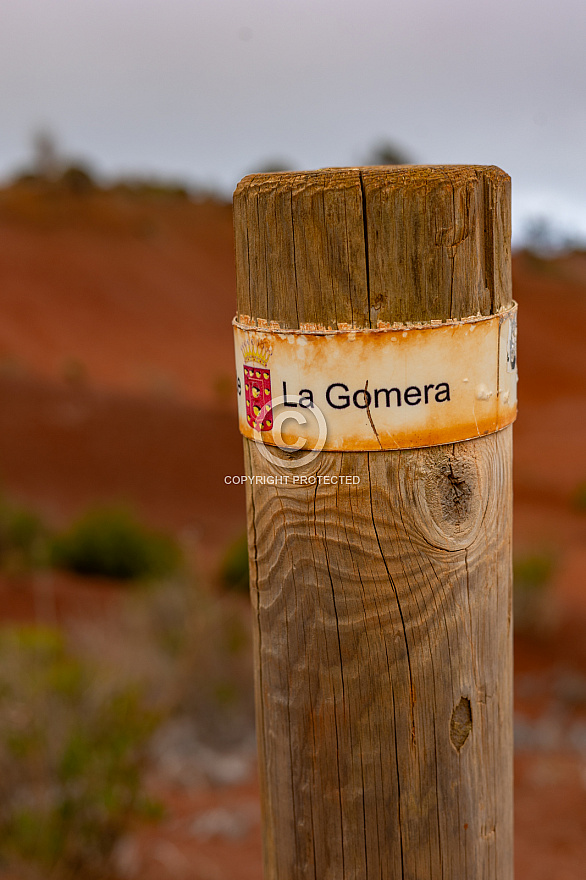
(397, 387)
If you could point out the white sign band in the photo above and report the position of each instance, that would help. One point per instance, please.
(396, 387)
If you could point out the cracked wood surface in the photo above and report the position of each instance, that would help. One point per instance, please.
(382, 610)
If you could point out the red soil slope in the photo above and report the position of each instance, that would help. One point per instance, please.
(116, 356)
(127, 292)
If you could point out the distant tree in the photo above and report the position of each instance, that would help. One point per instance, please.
(50, 165)
(152, 187)
(47, 163)
(545, 237)
(272, 166)
(77, 179)
(387, 153)
(540, 236)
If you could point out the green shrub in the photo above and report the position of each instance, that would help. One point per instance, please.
(189, 647)
(71, 756)
(534, 603)
(23, 538)
(111, 542)
(533, 571)
(216, 685)
(234, 565)
(77, 179)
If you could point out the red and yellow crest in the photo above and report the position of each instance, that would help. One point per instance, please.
(257, 386)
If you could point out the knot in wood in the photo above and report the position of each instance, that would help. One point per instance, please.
(445, 494)
(454, 497)
(455, 491)
(461, 723)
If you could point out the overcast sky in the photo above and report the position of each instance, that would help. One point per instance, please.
(209, 90)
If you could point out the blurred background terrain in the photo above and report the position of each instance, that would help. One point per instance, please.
(126, 711)
(127, 738)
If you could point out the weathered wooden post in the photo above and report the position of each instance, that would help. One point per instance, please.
(381, 583)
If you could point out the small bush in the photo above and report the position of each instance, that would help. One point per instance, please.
(71, 756)
(111, 542)
(535, 610)
(533, 571)
(189, 648)
(23, 538)
(234, 566)
(217, 662)
(77, 179)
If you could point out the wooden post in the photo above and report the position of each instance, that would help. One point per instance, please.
(382, 611)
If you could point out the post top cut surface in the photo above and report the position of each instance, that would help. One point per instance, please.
(356, 246)
(404, 175)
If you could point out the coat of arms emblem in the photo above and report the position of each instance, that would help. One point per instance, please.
(257, 386)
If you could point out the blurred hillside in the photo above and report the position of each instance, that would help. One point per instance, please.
(130, 289)
(116, 353)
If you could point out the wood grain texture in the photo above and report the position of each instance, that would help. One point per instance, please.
(382, 610)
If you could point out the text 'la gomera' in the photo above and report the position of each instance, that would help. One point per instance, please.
(339, 396)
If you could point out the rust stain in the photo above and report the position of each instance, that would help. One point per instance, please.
(397, 440)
